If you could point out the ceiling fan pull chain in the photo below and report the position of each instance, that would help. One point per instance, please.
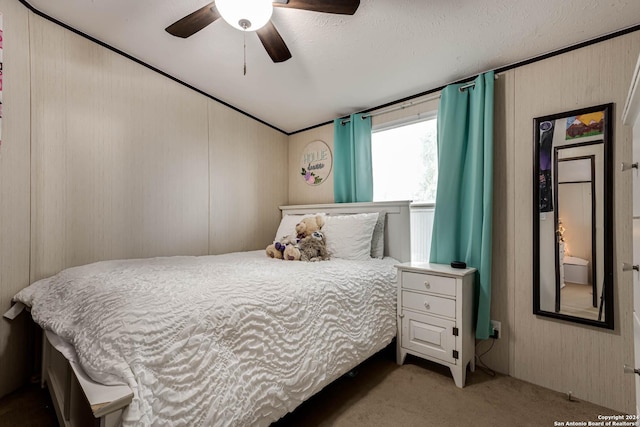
(245, 51)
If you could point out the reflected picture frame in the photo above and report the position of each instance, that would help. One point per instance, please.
(577, 131)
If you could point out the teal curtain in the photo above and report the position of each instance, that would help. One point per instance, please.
(352, 173)
(462, 223)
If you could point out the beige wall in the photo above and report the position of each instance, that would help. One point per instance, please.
(119, 153)
(504, 225)
(301, 193)
(103, 158)
(14, 191)
(246, 159)
(563, 356)
(114, 177)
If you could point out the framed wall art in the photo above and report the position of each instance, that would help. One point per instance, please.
(316, 162)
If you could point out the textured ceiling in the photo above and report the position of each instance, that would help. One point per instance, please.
(387, 51)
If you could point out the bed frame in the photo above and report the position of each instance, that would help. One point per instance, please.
(77, 399)
(80, 401)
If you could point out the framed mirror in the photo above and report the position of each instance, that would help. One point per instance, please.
(573, 216)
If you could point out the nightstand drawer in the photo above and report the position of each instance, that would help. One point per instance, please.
(429, 304)
(428, 283)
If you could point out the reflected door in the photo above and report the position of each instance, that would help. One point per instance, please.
(575, 216)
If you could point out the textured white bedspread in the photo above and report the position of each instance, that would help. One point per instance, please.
(238, 339)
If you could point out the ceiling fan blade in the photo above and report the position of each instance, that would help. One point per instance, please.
(194, 22)
(273, 43)
(341, 7)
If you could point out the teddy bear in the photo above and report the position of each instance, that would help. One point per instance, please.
(276, 250)
(310, 248)
(303, 229)
(308, 226)
(291, 253)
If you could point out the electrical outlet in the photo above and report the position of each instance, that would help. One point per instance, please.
(496, 327)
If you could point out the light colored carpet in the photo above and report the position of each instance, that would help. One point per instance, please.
(577, 300)
(422, 393)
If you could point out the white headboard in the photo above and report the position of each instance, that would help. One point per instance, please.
(397, 236)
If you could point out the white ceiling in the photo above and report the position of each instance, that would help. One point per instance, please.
(341, 64)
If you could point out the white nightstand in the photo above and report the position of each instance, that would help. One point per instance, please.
(435, 316)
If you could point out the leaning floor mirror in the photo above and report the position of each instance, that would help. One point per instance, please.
(572, 227)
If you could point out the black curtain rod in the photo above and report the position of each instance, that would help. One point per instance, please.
(499, 70)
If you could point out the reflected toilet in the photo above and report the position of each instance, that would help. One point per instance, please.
(576, 270)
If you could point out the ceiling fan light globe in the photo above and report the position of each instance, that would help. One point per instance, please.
(238, 12)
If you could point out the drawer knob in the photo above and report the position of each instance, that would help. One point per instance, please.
(426, 305)
(427, 285)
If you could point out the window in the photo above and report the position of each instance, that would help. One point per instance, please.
(405, 161)
(405, 167)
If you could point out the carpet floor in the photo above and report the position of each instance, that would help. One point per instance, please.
(422, 393)
(419, 393)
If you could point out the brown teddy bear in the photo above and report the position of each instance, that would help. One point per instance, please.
(307, 226)
(303, 229)
(276, 250)
(311, 245)
(311, 248)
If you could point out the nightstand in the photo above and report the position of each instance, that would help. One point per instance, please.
(435, 316)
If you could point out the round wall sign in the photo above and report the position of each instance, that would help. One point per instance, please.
(316, 162)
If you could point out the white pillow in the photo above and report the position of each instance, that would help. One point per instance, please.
(377, 241)
(349, 236)
(288, 225)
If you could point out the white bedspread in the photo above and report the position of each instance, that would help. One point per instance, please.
(238, 339)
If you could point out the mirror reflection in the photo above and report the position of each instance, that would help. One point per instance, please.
(572, 267)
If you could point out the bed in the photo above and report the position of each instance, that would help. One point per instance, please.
(234, 339)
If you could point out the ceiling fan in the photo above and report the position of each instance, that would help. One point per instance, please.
(256, 17)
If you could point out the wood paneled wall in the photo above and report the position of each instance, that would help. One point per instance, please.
(248, 181)
(14, 192)
(504, 224)
(119, 157)
(127, 163)
(103, 158)
(563, 356)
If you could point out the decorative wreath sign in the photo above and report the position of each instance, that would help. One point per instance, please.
(316, 162)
